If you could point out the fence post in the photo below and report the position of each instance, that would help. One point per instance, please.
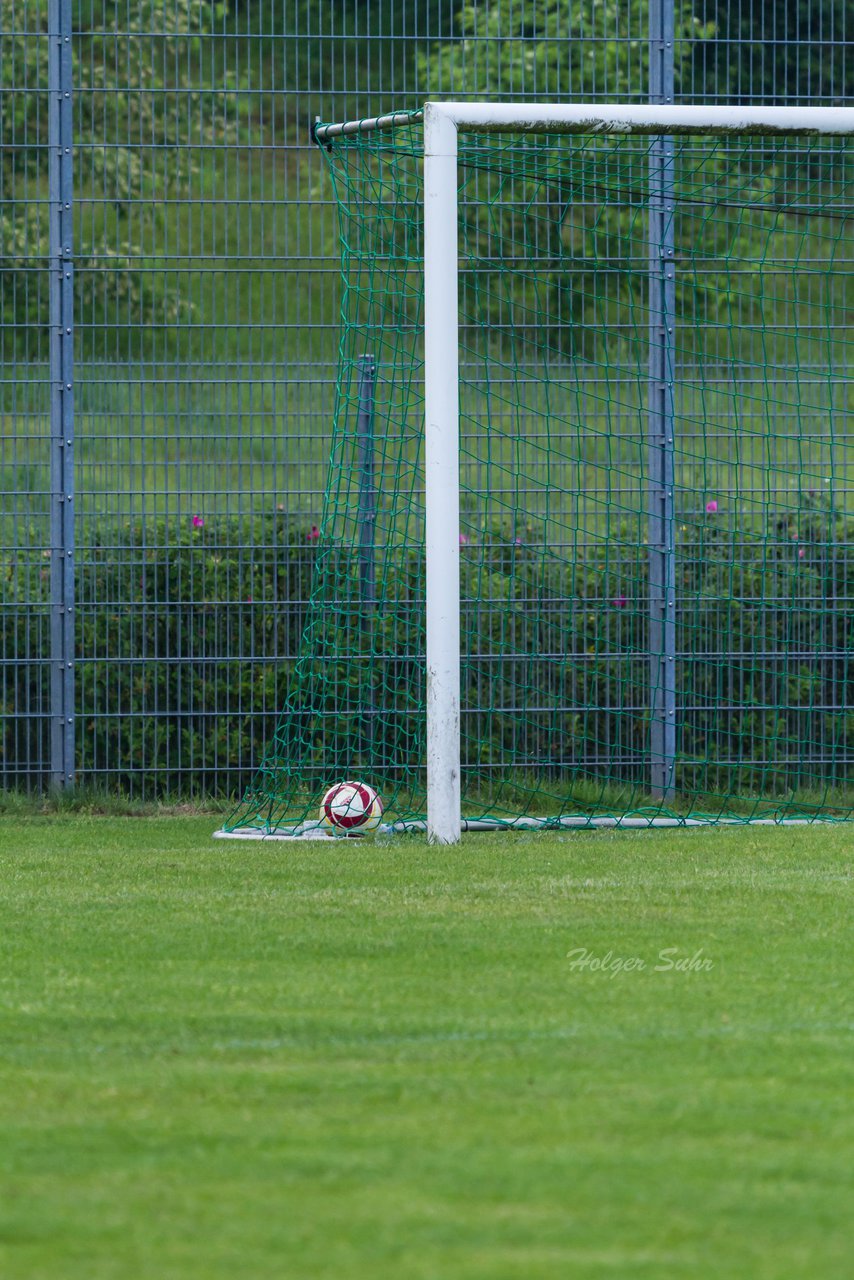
(660, 416)
(61, 311)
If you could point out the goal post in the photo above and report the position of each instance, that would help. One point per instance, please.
(441, 475)
(543, 250)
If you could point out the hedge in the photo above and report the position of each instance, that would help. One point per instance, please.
(188, 636)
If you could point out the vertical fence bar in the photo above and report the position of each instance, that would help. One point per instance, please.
(61, 306)
(367, 487)
(660, 416)
(367, 521)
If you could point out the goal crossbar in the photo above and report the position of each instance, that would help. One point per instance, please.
(594, 117)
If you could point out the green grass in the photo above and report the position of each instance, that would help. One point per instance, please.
(376, 1059)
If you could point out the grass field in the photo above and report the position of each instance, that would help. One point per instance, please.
(380, 1059)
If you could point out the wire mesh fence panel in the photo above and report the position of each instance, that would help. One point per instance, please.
(206, 304)
(781, 54)
(25, 398)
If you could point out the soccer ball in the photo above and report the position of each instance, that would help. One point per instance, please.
(350, 809)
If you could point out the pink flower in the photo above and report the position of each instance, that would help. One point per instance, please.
(249, 600)
(801, 553)
(314, 534)
(518, 542)
(463, 539)
(620, 602)
(198, 522)
(711, 507)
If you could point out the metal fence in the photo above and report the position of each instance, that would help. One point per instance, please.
(169, 296)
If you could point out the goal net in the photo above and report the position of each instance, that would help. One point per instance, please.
(637, 364)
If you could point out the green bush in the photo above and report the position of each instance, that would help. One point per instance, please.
(188, 640)
(185, 644)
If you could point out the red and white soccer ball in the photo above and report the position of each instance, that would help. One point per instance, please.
(350, 809)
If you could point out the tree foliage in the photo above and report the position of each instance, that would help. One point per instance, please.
(135, 107)
(560, 49)
(560, 209)
(776, 51)
(342, 60)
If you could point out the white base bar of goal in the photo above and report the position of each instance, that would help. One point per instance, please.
(312, 830)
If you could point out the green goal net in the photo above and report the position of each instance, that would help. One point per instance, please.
(621, 345)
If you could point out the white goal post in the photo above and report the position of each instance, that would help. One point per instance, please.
(442, 121)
